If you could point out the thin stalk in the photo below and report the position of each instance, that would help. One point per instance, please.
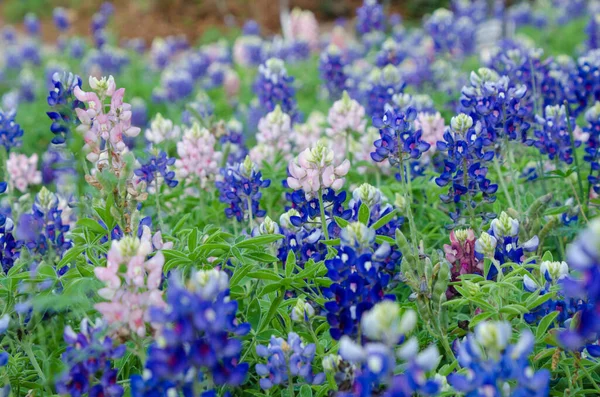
(290, 383)
(514, 179)
(502, 182)
(250, 214)
(158, 208)
(466, 183)
(570, 127)
(323, 219)
(36, 366)
(411, 221)
(589, 376)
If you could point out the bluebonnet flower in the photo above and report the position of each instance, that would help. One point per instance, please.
(240, 189)
(234, 142)
(156, 170)
(43, 230)
(370, 17)
(499, 106)
(583, 84)
(58, 168)
(61, 19)
(201, 106)
(287, 359)
(375, 361)
(490, 362)
(592, 29)
(399, 142)
(176, 84)
(552, 136)
(358, 282)
(501, 242)
(108, 60)
(10, 247)
(475, 9)
(331, 70)
(583, 257)
(10, 132)
(452, 34)
(392, 53)
(381, 86)
(273, 86)
(32, 24)
(251, 27)
(89, 361)
(464, 167)
(592, 146)
(197, 337)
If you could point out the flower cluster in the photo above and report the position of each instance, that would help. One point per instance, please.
(273, 136)
(131, 284)
(370, 17)
(467, 151)
(461, 255)
(89, 359)
(22, 171)
(156, 171)
(240, 189)
(63, 104)
(313, 170)
(287, 359)
(490, 361)
(11, 133)
(273, 86)
(385, 327)
(162, 130)
(331, 69)
(196, 337)
(198, 158)
(103, 130)
(554, 134)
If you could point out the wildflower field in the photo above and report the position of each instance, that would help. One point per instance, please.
(376, 207)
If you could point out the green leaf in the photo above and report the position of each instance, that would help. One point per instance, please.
(384, 220)
(290, 264)
(264, 275)
(545, 323)
(364, 214)
(341, 222)
(180, 223)
(306, 391)
(192, 239)
(514, 309)
(272, 310)
(259, 240)
(539, 300)
(92, 225)
(239, 273)
(261, 257)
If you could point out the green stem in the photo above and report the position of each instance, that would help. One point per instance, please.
(514, 178)
(250, 214)
(503, 182)
(409, 214)
(323, 219)
(589, 376)
(570, 127)
(466, 184)
(36, 366)
(158, 208)
(290, 383)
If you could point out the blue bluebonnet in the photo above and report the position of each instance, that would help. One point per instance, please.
(89, 361)
(583, 256)
(251, 27)
(451, 34)
(4, 356)
(10, 247)
(381, 86)
(477, 10)
(108, 59)
(552, 136)
(287, 359)
(498, 105)
(30, 52)
(467, 151)
(234, 142)
(157, 168)
(377, 359)
(399, 142)
(11, 133)
(32, 24)
(58, 168)
(42, 230)
(592, 29)
(592, 146)
(331, 70)
(305, 240)
(241, 190)
(584, 82)
(358, 279)
(61, 19)
(201, 106)
(490, 362)
(273, 86)
(370, 17)
(198, 335)
(176, 84)
(392, 53)
(63, 102)
(502, 243)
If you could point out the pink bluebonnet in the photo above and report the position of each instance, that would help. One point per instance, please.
(346, 116)
(161, 130)
(461, 255)
(198, 158)
(274, 132)
(308, 134)
(432, 127)
(313, 170)
(131, 284)
(22, 171)
(231, 83)
(304, 26)
(99, 125)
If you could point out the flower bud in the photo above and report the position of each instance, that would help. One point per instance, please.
(461, 123)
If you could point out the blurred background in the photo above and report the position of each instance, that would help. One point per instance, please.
(195, 18)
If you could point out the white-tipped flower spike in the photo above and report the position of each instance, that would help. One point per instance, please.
(197, 155)
(493, 336)
(554, 271)
(358, 235)
(268, 226)
(162, 129)
(350, 350)
(486, 244)
(367, 194)
(346, 115)
(208, 283)
(504, 226)
(461, 123)
(529, 284)
(104, 86)
(303, 311)
(386, 324)
(331, 362)
(284, 219)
